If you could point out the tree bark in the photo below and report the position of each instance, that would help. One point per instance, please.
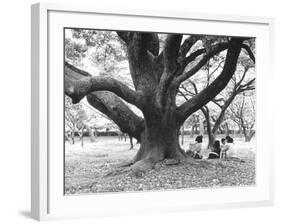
(159, 141)
(116, 110)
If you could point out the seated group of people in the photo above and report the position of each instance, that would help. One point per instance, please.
(219, 149)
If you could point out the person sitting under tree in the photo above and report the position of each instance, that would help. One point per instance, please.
(229, 149)
(195, 148)
(223, 146)
(223, 142)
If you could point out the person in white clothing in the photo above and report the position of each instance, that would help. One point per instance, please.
(229, 148)
(195, 148)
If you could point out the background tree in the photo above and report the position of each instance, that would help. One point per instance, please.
(71, 119)
(75, 120)
(82, 124)
(242, 112)
(157, 73)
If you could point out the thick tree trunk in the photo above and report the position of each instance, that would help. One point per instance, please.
(158, 144)
(211, 139)
(160, 140)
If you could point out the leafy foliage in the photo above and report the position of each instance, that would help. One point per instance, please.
(74, 51)
(103, 48)
(74, 114)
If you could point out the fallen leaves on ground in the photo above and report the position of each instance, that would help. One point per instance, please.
(90, 175)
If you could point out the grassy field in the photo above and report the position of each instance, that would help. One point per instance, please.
(86, 169)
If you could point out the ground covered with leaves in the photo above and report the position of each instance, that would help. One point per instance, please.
(91, 169)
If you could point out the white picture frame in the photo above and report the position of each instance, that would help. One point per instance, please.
(47, 199)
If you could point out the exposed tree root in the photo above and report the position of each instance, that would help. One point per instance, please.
(140, 167)
(171, 162)
(118, 171)
(125, 164)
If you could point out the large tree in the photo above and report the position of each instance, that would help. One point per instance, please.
(157, 76)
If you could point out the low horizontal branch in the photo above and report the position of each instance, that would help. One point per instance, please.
(78, 89)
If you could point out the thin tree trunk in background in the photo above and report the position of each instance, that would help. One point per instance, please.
(182, 135)
(131, 142)
(248, 134)
(73, 137)
(192, 131)
(201, 126)
(82, 137)
(251, 135)
(92, 135)
(226, 129)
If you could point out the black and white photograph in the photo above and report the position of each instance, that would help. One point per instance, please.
(147, 111)
(121, 112)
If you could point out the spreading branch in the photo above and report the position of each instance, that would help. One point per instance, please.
(112, 106)
(78, 89)
(215, 50)
(210, 92)
(188, 44)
